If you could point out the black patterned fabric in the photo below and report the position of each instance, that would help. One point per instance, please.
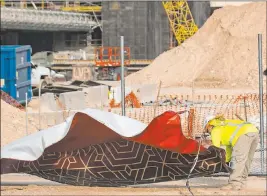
(118, 163)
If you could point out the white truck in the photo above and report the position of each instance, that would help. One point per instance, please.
(42, 75)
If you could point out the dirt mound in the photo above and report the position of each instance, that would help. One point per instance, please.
(222, 54)
(13, 124)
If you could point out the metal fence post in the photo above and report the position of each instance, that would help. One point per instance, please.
(245, 107)
(26, 108)
(261, 100)
(122, 78)
(40, 105)
(157, 100)
(101, 97)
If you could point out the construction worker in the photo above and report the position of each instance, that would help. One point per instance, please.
(241, 139)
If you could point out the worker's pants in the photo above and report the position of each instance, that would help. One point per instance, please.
(242, 157)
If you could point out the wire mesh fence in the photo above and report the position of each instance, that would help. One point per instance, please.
(246, 107)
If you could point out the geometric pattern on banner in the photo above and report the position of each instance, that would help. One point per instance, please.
(120, 163)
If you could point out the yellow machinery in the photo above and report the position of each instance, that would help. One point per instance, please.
(23, 3)
(93, 8)
(181, 19)
(77, 7)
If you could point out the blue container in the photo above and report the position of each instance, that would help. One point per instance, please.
(16, 72)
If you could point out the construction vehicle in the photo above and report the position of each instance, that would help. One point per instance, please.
(42, 75)
(108, 62)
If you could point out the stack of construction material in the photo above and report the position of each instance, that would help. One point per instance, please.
(222, 54)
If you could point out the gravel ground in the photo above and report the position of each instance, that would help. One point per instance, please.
(31, 185)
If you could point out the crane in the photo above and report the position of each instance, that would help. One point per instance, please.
(181, 19)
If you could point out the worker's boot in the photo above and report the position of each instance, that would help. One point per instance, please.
(235, 187)
(227, 187)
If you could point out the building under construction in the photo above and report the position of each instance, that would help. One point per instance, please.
(149, 28)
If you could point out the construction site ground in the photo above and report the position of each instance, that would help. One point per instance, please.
(22, 184)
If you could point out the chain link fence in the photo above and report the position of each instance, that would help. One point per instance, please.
(244, 106)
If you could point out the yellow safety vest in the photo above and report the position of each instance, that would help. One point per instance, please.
(109, 94)
(228, 134)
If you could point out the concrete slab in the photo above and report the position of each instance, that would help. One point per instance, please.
(145, 93)
(96, 96)
(48, 102)
(73, 100)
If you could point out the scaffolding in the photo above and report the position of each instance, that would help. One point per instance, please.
(16, 18)
(82, 6)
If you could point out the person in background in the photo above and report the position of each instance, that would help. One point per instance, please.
(240, 139)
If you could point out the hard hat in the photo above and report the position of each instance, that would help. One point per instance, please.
(207, 119)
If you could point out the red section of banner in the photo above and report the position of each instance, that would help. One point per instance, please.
(165, 132)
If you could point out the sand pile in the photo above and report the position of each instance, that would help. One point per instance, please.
(13, 124)
(222, 54)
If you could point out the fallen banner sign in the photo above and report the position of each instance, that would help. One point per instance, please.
(97, 148)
